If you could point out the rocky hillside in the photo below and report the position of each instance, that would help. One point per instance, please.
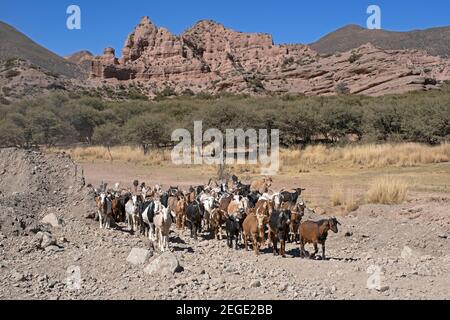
(211, 58)
(82, 58)
(435, 41)
(20, 78)
(15, 45)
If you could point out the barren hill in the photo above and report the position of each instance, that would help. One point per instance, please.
(436, 41)
(16, 45)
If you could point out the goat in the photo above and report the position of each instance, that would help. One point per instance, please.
(163, 221)
(279, 230)
(233, 229)
(316, 233)
(104, 207)
(180, 213)
(132, 212)
(297, 213)
(209, 204)
(262, 185)
(253, 228)
(194, 214)
(218, 218)
(287, 196)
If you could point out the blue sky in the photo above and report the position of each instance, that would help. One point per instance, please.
(107, 23)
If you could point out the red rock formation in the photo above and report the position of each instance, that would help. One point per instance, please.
(211, 58)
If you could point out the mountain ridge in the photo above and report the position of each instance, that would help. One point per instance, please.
(436, 40)
(16, 45)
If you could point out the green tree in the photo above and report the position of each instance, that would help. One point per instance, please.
(107, 135)
(10, 134)
(148, 131)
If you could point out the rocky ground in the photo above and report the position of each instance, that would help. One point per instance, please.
(401, 252)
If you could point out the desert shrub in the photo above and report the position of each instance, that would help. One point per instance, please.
(288, 61)
(11, 134)
(342, 88)
(4, 101)
(388, 190)
(337, 196)
(12, 73)
(354, 57)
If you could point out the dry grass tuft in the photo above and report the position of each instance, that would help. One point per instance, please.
(369, 156)
(351, 203)
(337, 196)
(388, 190)
(125, 154)
(292, 160)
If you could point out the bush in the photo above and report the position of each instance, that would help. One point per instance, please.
(388, 190)
(342, 88)
(12, 73)
(354, 57)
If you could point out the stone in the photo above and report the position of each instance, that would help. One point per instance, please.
(283, 287)
(255, 284)
(44, 239)
(165, 264)
(54, 248)
(19, 277)
(382, 288)
(53, 220)
(139, 256)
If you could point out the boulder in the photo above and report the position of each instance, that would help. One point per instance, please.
(53, 220)
(139, 256)
(166, 264)
(44, 240)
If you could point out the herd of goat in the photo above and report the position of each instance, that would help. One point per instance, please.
(250, 213)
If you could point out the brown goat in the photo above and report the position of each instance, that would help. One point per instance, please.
(115, 204)
(297, 213)
(225, 202)
(316, 233)
(180, 213)
(253, 228)
(218, 218)
(262, 185)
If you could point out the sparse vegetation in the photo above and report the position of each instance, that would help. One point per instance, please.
(337, 196)
(12, 73)
(342, 88)
(388, 190)
(354, 57)
(288, 61)
(304, 121)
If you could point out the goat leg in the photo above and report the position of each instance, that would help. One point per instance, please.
(323, 251)
(316, 249)
(302, 249)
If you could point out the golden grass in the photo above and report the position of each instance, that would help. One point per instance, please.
(368, 156)
(388, 190)
(347, 200)
(299, 161)
(120, 154)
(351, 203)
(337, 196)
